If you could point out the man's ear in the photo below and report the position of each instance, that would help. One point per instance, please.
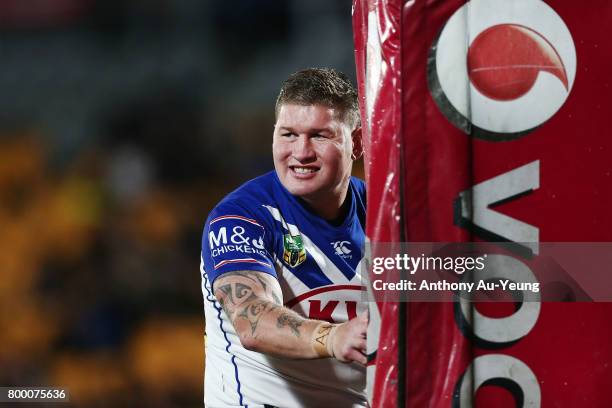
(357, 143)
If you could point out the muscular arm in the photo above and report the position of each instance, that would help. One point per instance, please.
(253, 302)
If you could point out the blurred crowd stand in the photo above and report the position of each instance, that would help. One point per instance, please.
(122, 123)
(93, 294)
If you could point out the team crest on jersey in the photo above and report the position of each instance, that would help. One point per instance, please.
(294, 253)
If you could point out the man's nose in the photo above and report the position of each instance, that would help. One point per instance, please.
(303, 150)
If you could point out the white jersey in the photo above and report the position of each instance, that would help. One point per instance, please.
(262, 227)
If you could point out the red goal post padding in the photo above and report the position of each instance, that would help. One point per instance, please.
(531, 129)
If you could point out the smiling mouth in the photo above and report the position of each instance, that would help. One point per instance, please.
(303, 170)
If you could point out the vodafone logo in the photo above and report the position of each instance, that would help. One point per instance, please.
(499, 69)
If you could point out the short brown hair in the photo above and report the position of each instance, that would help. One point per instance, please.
(321, 86)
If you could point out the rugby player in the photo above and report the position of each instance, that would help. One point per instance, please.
(282, 258)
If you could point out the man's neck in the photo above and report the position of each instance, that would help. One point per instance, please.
(332, 209)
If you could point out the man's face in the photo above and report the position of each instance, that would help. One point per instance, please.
(312, 151)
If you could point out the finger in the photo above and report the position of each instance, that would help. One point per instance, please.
(363, 327)
(361, 346)
(355, 355)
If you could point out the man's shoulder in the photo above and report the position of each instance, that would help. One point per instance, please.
(250, 195)
(254, 191)
(238, 231)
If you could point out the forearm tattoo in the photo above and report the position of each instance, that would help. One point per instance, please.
(294, 322)
(255, 310)
(239, 297)
(321, 334)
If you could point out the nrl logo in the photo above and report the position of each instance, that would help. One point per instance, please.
(294, 253)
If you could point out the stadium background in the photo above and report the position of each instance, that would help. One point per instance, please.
(121, 124)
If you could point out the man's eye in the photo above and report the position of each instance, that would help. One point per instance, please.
(319, 136)
(288, 134)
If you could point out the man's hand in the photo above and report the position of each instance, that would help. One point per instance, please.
(349, 340)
